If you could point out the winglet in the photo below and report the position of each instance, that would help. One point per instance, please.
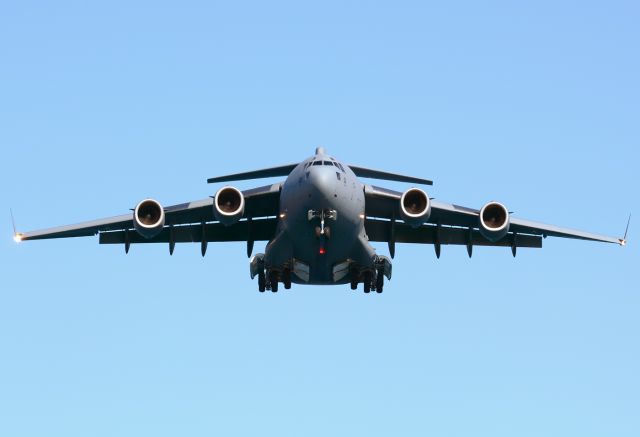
(623, 240)
(17, 237)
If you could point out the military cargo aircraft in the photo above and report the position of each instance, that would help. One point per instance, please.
(319, 224)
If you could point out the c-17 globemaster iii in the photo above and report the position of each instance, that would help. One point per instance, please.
(319, 224)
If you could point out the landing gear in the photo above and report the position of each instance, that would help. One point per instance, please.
(380, 281)
(273, 279)
(366, 283)
(354, 275)
(256, 268)
(372, 277)
(286, 279)
(268, 279)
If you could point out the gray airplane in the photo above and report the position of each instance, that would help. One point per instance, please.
(319, 224)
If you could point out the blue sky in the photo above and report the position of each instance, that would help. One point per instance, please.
(535, 105)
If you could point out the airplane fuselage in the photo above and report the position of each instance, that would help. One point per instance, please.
(321, 222)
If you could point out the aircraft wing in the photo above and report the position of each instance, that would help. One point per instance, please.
(454, 224)
(186, 222)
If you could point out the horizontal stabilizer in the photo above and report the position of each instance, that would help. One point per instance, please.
(283, 170)
(377, 174)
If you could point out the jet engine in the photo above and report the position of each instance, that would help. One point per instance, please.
(494, 221)
(148, 218)
(228, 205)
(415, 207)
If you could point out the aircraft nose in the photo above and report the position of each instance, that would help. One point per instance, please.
(322, 181)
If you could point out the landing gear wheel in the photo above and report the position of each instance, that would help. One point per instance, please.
(366, 285)
(380, 281)
(286, 279)
(273, 278)
(354, 279)
(262, 282)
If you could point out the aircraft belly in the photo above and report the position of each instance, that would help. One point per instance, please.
(321, 253)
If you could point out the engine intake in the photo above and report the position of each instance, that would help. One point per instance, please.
(415, 207)
(148, 218)
(494, 221)
(228, 205)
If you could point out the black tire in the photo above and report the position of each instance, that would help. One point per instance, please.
(274, 282)
(366, 284)
(262, 282)
(354, 279)
(380, 281)
(286, 279)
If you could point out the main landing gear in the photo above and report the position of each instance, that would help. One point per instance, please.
(268, 279)
(373, 278)
(372, 281)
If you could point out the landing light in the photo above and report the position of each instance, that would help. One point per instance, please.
(17, 238)
(623, 242)
(362, 216)
(282, 215)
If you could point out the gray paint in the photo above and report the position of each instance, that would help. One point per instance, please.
(285, 207)
(320, 187)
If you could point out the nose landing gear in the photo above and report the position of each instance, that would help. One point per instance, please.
(323, 214)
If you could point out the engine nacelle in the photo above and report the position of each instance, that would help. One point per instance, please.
(415, 207)
(494, 221)
(228, 205)
(148, 218)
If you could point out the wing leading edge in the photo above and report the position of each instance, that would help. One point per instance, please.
(260, 202)
(385, 204)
